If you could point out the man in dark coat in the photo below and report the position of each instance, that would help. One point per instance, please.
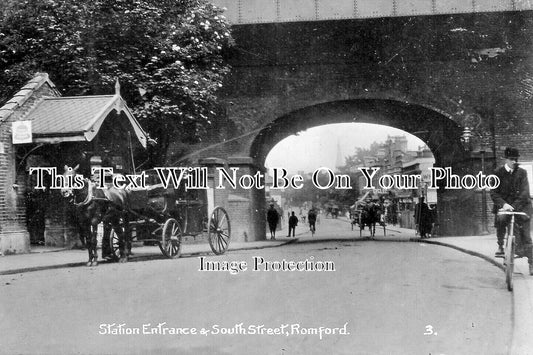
(272, 219)
(293, 222)
(311, 218)
(423, 218)
(513, 195)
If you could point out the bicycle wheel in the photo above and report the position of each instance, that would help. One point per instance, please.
(509, 261)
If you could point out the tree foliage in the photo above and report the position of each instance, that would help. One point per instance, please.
(166, 54)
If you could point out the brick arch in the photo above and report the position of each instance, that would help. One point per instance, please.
(441, 133)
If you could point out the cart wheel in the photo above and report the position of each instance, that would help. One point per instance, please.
(219, 231)
(170, 243)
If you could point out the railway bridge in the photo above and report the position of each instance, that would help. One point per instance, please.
(455, 73)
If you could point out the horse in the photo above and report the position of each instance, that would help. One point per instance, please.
(93, 206)
(369, 217)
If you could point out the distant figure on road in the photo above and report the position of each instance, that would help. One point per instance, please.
(423, 218)
(293, 222)
(513, 195)
(272, 219)
(311, 217)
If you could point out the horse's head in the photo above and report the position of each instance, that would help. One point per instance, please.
(69, 173)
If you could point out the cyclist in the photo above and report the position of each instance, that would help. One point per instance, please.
(513, 195)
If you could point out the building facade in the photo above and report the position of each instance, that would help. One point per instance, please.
(41, 129)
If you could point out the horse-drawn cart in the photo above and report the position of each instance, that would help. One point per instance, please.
(367, 214)
(165, 215)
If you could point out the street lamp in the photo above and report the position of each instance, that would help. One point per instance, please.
(466, 138)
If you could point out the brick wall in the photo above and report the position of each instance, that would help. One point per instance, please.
(14, 237)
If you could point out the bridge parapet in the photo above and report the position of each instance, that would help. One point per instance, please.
(269, 11)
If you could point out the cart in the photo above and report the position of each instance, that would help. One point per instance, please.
(163, 216)
(359, 217)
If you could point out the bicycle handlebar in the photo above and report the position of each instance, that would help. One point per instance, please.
(512, 213)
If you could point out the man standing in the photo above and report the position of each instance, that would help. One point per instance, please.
(513, 195)
(272, 219)
(293, 222)
(423, 218)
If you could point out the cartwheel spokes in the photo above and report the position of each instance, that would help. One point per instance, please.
(224, 237)
(222, 221)
(213, 225)
(219, 230)
(171, 239)
(174, 231)
(223, 244)
(219, 242)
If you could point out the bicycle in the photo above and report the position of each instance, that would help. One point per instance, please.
(510, 247)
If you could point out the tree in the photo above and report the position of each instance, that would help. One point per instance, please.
(167, 55)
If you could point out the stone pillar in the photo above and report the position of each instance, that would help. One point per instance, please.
(216, 197)
(254, 225)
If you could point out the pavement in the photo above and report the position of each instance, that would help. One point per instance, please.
(483, 246)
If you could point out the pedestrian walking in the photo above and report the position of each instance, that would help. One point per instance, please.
(311, 218)
(272, 219)
(513, 195)
(293, 222)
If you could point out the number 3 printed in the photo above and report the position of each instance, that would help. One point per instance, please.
(429, 330)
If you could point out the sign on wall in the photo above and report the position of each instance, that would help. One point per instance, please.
(21, 131)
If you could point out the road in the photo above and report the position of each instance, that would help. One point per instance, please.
(382, 298)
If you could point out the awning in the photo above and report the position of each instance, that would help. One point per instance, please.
(77, 118)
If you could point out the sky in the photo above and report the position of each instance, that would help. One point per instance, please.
(317, 146)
